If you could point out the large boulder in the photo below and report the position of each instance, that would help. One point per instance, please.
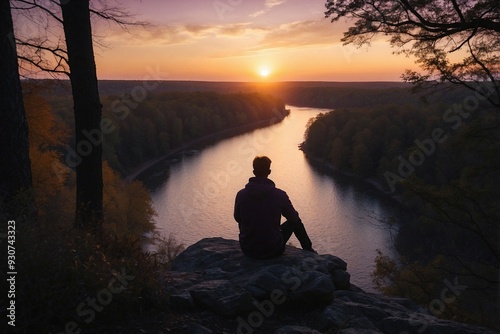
(214, 276)
(360, 312)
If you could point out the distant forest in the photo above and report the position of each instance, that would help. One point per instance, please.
(137, 129)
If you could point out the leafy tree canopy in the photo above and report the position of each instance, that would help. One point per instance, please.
(453, 41)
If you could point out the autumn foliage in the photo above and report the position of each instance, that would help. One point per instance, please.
(127, 207)
(62, 266)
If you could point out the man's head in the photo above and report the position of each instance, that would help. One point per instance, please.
(261, 166)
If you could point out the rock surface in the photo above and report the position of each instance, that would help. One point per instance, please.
(213, 275)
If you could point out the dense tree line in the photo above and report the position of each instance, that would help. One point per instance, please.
(442, 160)
(140, 129)
(368, 141)
(357, 95)
(343, 97)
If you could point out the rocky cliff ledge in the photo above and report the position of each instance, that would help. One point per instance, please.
(299, 292)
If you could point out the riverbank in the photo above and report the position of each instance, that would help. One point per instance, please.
(371, 181)
(204, 141)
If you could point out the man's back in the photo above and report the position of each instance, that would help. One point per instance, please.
(258, 210)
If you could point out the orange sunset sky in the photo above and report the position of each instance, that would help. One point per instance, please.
(240, 40)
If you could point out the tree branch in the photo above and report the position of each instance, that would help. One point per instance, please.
(486, 70)
(459, 12)
(33, 4)
(40, 66)
(57, 51)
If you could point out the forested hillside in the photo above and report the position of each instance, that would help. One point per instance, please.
(442, 160)
(370, 94)
(138, 129)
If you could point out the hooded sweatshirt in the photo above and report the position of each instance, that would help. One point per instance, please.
(258, 209)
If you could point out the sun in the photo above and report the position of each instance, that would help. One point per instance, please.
(264, 72)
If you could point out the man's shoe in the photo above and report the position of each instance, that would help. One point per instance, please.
(311, 250)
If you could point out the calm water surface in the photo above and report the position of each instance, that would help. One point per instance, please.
(343, 217)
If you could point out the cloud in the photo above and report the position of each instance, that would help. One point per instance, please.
(160, 35)
(175, 34)
(300, 33)
(295, 35)
(235, 30)
(197, 29)
(138, 36)
(268, 5)
(247, 38)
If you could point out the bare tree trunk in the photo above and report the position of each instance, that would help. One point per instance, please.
(16, 200)
(87, 108)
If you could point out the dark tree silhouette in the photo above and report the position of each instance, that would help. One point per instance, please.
(87, 108)
(15, 170)
(434, 32)
(42, 48)
(456, 43)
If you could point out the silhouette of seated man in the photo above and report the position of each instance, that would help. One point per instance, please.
(258, 209)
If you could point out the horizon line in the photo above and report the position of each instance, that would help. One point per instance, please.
(224, 81)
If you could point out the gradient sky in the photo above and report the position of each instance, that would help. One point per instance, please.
(236, 40)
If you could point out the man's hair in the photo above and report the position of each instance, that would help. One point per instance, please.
(261, 166)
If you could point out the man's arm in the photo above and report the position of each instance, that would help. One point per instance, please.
(287, 209)
(236, 213)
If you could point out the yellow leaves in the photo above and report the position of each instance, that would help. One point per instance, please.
(127, 207)
(384, 275)
(45, 131)
(45, 135)
(113, 201)
(46, 184)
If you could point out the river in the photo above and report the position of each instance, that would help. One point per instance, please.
(343, 216)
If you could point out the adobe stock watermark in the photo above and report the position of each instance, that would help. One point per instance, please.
(88, 308)
(349, 51)
(293, 279)
(455, 117)
(23, 31)
(121, 108)
(437, 306)
(222, 7)
(219, 180)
